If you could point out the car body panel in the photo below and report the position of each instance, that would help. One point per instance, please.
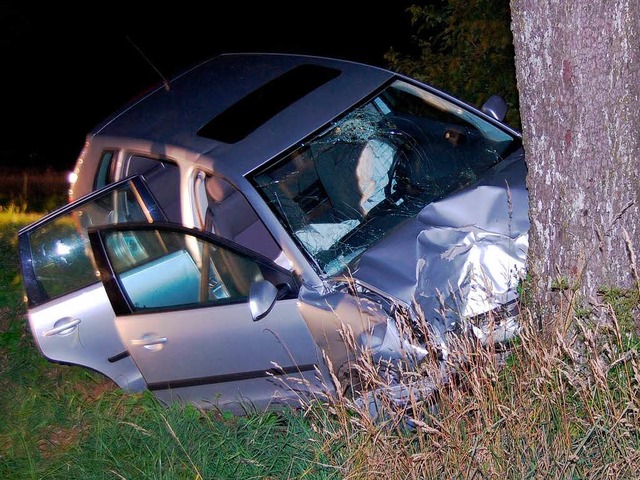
(53, 251)
(203, 346)
(461, 256)
(220, 356)
(168, 119)
(92, 343)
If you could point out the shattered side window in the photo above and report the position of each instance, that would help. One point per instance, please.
(375, 167)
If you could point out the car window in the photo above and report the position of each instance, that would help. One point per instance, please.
(56, 254)
(378, 165)
(163, 179)
(228, 213)
(168, 269)
(105, 174)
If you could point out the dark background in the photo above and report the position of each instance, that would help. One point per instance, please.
(65, 69)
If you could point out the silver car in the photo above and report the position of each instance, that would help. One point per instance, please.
(228, 231)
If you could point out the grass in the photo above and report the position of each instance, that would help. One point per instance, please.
(568, 408)
(561, 405)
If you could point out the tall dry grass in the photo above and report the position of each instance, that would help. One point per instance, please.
(565, 404)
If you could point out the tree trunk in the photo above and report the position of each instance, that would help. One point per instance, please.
(577, 68)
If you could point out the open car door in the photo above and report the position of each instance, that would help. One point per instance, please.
(207, 321)
(69, 313)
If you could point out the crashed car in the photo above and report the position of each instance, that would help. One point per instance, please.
(229, 227)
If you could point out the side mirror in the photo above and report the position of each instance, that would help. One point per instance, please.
(262, 298)
(495, 107)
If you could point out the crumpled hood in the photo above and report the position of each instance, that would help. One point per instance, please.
(460, 256)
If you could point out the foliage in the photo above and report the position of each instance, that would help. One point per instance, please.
(464, 48)
(624, 304)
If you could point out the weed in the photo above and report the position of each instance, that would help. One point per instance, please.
(624, 302)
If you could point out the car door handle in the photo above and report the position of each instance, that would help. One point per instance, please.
(66, 323)
(150, 342)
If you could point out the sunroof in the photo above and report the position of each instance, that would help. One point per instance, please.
(246, 115)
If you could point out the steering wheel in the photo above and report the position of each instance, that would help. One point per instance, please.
(411, 175)
(397, 179)
(402, 178)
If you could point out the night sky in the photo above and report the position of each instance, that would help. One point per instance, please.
(65, 69)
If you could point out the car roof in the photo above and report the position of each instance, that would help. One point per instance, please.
(237, 111)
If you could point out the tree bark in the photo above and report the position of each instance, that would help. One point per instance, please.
(577, 69)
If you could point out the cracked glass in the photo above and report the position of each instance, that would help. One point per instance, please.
(375, 167)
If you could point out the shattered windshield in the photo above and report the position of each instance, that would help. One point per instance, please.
(375, 167)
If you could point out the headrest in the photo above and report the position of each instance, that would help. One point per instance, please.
(218, 189)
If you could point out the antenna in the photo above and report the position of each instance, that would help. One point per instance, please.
(164, 80)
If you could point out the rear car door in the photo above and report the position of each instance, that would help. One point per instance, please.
(69, 313)
(183, 311)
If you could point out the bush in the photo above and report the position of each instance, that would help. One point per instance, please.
(32, 190)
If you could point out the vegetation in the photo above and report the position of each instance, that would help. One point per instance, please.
(560, 406)
(463, 47)
(32, 190)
